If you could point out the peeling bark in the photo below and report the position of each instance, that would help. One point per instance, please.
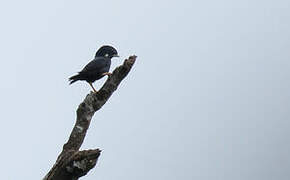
(72, 163)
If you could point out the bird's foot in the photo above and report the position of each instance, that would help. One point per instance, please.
(94, 90)
(107, 73)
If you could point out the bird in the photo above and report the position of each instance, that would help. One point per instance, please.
(97, 68)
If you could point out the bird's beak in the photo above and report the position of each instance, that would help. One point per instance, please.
(116, 55)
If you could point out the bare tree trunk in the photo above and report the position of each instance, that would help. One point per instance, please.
(71, 163)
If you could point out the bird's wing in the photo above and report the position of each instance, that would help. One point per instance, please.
(94, 65)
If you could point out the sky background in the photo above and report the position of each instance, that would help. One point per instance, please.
(208, 97)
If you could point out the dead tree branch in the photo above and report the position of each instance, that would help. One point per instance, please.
(72, 163)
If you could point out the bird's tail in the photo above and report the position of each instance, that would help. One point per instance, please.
(74, 78)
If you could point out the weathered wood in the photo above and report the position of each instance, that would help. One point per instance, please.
(72, 163)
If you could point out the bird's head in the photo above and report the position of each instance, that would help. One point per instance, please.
(107, 51)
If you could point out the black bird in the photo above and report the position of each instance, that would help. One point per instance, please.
(97, 68)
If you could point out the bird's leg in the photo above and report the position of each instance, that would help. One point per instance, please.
(107, 73)
(93, 87)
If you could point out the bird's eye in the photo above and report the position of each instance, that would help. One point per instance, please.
(106, 55)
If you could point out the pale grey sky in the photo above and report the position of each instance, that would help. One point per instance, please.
(207, 99)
